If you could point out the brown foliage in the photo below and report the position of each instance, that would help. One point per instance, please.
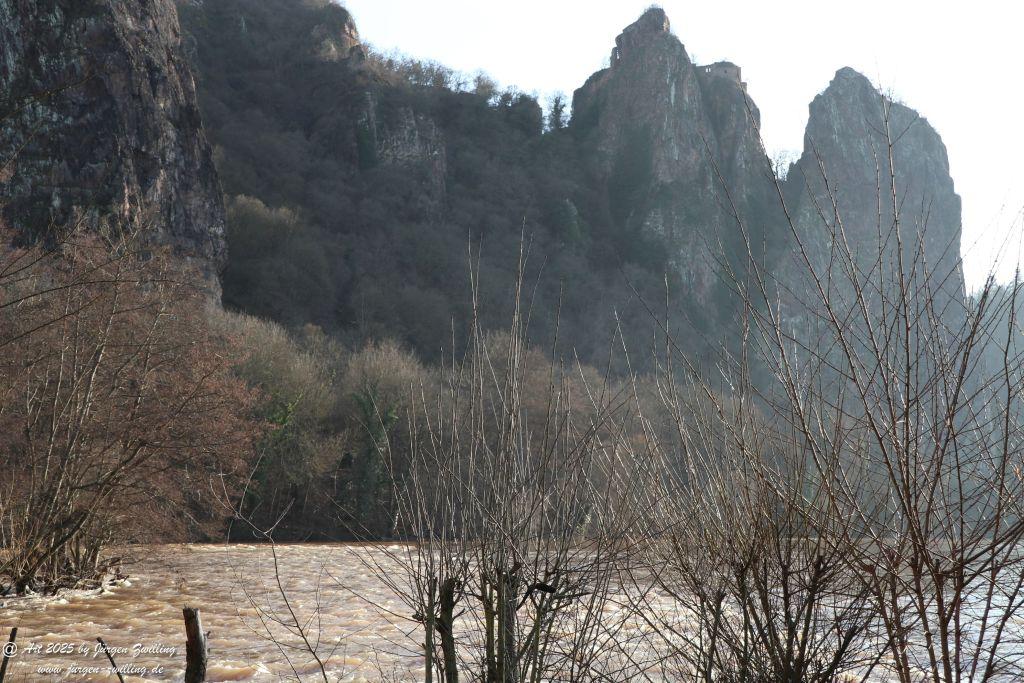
(117, 408)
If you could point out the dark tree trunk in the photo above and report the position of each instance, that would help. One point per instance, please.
(446, 628)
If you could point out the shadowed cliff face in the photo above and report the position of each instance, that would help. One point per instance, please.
(336, 36)
(390, 165)
(676, 146)
(101, 125)
(847, 149)
(891, 278)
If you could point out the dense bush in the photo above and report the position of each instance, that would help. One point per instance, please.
(323, 465)
(280, 269)
(342, 422)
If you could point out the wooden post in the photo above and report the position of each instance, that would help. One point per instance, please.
(9, 651)
(195, 647)
(111, 658)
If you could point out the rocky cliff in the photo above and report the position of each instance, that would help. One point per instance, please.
(676, 147)
(861, 149)
(391, 165)
(335, 37)
(101, 125)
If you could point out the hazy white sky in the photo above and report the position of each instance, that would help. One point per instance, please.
(957, 63)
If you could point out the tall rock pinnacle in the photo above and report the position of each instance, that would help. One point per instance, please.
(851, 131)
(672, 142)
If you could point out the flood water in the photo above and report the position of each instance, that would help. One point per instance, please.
(361, 630)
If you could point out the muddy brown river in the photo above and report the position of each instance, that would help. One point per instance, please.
(360, 629)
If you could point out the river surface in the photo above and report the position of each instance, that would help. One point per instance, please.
(360, 629)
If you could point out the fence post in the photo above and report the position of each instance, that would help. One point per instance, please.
(195, 647)
(9, 650)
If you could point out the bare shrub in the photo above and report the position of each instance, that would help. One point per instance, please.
(883, 375)
(117, 405)
(512, 501)
(742, 544)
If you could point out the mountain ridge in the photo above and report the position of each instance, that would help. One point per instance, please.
(354, 182)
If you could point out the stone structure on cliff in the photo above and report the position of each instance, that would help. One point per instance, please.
(678, 149)
(101, 125)
(726, 70)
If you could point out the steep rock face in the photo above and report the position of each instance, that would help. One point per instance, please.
(385, 134)
(846, 136)
(668, 139)
(336, 37)
(339, 100)
(102, 126)
(405, 139)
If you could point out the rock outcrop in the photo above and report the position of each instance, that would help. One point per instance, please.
(677, 147)
(408, 140)
(101, 125)
(386, 133)
(850, 133)
(392, 163)
(336, 37)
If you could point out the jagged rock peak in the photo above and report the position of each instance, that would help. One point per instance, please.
(850, 75)
(846, 136)
(336, 37)
(852, 86)
(653, 22)
(650, 125)
(853, 110)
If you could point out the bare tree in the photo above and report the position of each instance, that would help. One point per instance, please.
(879, 377)
(112, 396)
(516, 506)
(749, 583)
